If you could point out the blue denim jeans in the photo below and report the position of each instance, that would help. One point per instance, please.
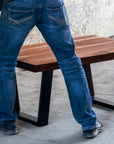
(17, 19)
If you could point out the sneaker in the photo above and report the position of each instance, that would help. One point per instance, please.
(93, 132)
(8, 128)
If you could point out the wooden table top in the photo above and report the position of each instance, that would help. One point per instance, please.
(91, 49)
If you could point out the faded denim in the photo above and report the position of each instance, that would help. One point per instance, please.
(17, 19)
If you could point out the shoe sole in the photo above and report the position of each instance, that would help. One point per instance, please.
(9, 132)
(94, 135)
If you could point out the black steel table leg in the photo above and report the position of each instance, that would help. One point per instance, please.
(88, 73)
(104, 103)
(44, 103)
(17, 105)
(96, 100)
(45, 94)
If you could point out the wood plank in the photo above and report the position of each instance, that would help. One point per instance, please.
(81, 52)
(35, 51)
(95, 50)
(85, 37)
(44, 43)
(45, 48)
(36, 57)
(92, 42)
(78, 40)
(33, 45)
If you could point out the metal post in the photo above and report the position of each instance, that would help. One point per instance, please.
(45, 95)
(17, 105)
(88, 73)
(96, 100)
(44, 103)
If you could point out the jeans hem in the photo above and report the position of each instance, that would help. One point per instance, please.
(90, 127)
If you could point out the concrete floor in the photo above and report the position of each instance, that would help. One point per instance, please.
(62, 128)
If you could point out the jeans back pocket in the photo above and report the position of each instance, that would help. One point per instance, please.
(58, 17)
(20, 19)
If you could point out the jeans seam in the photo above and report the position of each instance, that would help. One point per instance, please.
(48, 4)
(89, 127)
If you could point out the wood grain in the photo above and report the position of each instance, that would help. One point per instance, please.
(91, 49)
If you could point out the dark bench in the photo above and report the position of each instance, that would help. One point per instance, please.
(39, 58)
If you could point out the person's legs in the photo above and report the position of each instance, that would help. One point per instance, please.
(16, 20)
(55, 29)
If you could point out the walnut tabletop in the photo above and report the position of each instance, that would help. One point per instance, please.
(91, 49)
